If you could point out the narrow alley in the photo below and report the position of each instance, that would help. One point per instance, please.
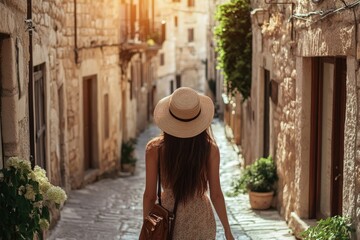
(112, 208)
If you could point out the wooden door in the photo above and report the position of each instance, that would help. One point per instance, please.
(266, 143)
(40, 117)
(327, 136)
(1, 146)
(90, 122)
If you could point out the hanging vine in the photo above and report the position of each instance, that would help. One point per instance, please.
(234, 39)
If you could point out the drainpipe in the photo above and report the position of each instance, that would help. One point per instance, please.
(76, 50)
(31, 84)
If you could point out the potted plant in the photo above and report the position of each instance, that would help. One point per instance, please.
(128, 160)
(26, 196)
(259, 180)
(332, 228)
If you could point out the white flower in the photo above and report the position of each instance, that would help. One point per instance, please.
(21, 190)
(17, 163)
(30, 194)
(40, 172)
(56, 194)
(44, 224)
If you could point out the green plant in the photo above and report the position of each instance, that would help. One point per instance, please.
(332, 228)
(257, 177)
(127, 152)
(234, 41)
(25, 199)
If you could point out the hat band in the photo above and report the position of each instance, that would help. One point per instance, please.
(185, 120)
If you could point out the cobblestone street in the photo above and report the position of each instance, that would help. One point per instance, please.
(112, 208)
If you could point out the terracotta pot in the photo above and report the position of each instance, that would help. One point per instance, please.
(259, 200)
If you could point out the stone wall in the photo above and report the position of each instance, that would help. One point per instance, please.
(182, 57)
(273, 51)
(14, 83)
(356, 132)
(278, 41)
(335, 36)
(49, 18)
(98, 35)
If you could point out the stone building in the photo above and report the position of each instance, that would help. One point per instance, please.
(107, 77)
(92, 65)
(183, 57)
(48, 80)
(304, 108)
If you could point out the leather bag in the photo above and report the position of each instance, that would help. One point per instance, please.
(159, 223)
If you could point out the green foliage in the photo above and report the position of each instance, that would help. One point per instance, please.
(127, 152)
(25, 198)
(332, 228)
(258, 177)
(234, 41)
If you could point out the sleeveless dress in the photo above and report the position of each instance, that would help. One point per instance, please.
(194, 220)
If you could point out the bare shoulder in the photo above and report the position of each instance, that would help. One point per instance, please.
(153, 144)
(214, 149)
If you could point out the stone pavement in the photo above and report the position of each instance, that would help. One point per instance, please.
(112, 208)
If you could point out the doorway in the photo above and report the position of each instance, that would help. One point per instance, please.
(2, 36)
(40, 116)
(266, 143)
(90, 120)
(328, 98)
(62, 127)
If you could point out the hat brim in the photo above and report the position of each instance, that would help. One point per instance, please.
(166, 122)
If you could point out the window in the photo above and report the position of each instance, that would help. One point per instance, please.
(162, 59)
(190, 35)
(191, 3)
(106, 116)
(176, 21)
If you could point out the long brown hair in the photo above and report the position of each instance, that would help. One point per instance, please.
(184, 162)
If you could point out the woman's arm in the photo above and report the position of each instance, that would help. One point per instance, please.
(149, 196)
(216, 194)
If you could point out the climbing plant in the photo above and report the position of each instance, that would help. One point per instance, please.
(234, 39)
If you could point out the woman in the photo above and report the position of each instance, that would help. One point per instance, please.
(189, 164)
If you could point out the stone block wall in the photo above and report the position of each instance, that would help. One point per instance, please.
(98, 36)
(15, 55)
(49, 19)
(278, 43)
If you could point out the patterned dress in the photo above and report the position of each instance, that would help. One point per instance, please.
(193, 221)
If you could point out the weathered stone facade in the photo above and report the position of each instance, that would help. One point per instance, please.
(48, 17)
(13, 80)
(87, 94)
(184, 53)
(89, 55)
(291, 56)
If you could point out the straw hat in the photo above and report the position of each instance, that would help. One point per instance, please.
(184, 114)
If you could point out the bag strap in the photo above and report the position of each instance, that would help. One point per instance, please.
(159, 186)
